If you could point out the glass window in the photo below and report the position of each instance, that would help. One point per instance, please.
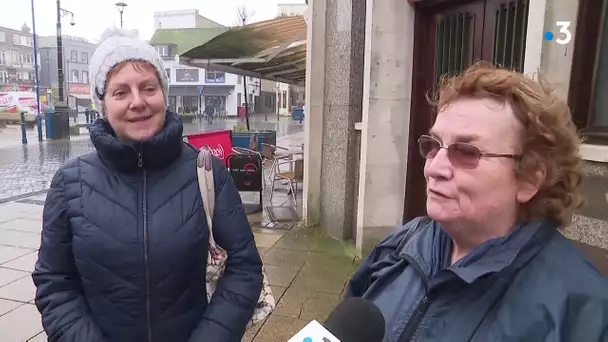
(162, 50)
(215, 77)
(190, 104)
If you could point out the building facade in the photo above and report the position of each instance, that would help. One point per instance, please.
(290, 95)
(370, 66)
(178, 19)
(76, 55)
(268, 97)
(16, 60)
(191, 88)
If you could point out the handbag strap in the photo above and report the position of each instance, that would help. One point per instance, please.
(206, 184)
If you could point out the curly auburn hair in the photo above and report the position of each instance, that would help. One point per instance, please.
(549, 140)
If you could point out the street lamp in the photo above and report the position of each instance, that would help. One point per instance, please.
(121, 7)
(38, 114)
(60, 77)
(61, 109)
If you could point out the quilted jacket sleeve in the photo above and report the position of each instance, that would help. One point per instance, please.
(59, 298)
(383, 255)
(236, 296)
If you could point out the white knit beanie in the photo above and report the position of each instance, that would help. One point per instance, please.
(116, 46)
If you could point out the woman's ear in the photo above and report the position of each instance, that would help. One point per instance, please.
(528, 188)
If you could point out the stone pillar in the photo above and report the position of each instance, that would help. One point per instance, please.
(333, 104)
(385, 126)
(313, 123)
(535, 36)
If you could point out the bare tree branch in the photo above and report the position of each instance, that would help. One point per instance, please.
(244, 15)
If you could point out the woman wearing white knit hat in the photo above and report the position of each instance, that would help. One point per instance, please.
(125, 237)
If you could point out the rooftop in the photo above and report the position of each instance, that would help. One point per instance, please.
(51, 41)
(185, 39)
(273, 50)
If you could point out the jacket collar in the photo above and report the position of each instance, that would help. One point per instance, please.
(157, 152)
(510, 252)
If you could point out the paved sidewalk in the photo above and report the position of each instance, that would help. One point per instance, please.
(307, 270)
(20, 226)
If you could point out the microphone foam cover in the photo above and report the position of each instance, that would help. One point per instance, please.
(356, 320)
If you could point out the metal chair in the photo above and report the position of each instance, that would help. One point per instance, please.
(269, 152)
(295, 175)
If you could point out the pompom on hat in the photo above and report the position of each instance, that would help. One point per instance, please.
(117, 46)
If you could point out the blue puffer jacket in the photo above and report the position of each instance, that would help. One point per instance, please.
(125, 241)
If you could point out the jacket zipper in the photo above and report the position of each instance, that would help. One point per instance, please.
(415, 320)
(140, 164)
(421, 309)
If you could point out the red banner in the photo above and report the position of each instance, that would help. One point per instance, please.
(220, 142)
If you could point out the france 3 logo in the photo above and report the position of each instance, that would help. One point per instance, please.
(563, 36)
(309, 339)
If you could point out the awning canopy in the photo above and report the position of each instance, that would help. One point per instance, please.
(81, 96)
(273, 50)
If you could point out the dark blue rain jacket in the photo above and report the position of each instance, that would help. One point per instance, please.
(532, 286)
(124, 247)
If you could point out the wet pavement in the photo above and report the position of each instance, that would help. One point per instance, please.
(29, 168)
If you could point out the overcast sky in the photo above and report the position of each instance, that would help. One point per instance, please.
(92, 17)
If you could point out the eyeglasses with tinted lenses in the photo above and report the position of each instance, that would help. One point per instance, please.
(461, 155)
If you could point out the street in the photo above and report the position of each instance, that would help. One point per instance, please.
(25, 169)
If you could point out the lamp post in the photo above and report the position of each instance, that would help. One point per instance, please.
(121, 7)
(258, 93)
(245, 90)
(60, 76)
(38, 114)
(61, 109)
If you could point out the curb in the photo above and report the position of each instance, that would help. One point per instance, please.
(22, 196)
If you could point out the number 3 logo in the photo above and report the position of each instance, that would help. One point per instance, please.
(564, 29)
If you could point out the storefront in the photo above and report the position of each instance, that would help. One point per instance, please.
(192, 98)
(367, 71)
(218, 102)
(79, 97)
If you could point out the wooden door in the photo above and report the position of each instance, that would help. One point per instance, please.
(450, 36)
